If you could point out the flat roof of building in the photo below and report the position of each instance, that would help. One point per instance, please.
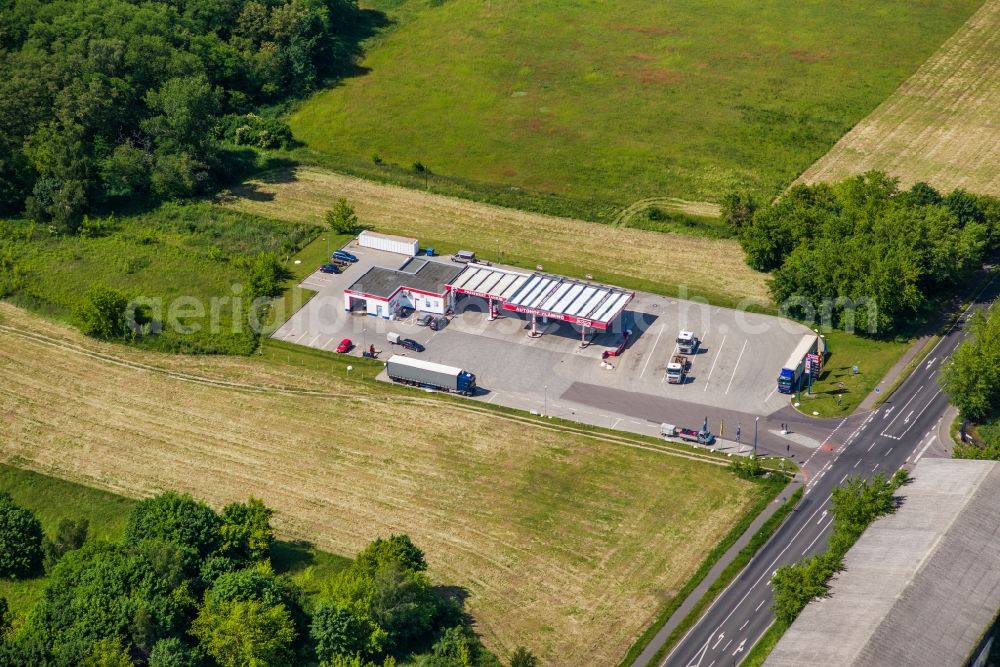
(569, 300)
(488, 282)
(921, 586)
(391, 237)
(416, 274)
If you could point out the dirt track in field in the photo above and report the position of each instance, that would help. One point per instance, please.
(713, 266)
(942, 126)
(564, 542)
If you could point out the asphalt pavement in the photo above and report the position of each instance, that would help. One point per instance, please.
(896, 434)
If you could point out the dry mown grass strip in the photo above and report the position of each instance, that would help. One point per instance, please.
(565, 543)
(711, 265)
(942, 126)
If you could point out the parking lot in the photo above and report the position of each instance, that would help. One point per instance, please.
(733, 375)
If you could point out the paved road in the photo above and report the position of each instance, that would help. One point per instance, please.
(898, 433)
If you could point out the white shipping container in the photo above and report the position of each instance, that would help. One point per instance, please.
(398, 244)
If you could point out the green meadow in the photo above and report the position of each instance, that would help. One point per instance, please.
(601, 102)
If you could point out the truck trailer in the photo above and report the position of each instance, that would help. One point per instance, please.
(420, 373)
(791, 373)
(677, 369)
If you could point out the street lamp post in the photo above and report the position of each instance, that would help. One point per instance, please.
(545, 404)
(498, 251)
(756, 420)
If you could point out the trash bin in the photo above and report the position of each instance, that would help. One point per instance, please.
(429, 252)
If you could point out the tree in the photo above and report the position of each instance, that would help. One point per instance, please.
(795, 585)
(246, 530)
(522, 657)
(107, 652)
(172, 652)
(245, 633)
(342, 219)
(397, 549)
(339, 632)
(737, 210)
(263, 274)
(972, 377)
(4, 618)
(20, 539)
(185, 108)
(102, 313)
(176, 518)
(856, 504)
(69, 535)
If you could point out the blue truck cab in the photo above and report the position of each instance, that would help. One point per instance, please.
(466, 383)
(791, 373)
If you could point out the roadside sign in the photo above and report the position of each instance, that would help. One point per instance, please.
(814, 358)
(808, 368)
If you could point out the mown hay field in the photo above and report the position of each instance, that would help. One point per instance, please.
(566, 543)
(942, 126)
(620, 101)
(674, 264)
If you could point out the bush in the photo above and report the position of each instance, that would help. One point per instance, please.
(70, 535)
(20, 540)
(246, 530)
(103, 313)
(656, 213)
(522, 657)
(176, 518)
(172, 652)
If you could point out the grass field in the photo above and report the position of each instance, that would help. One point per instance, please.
(672, 264)
(617, 102)
(942, 126)
(565, 542)
(53, 499)
(874, 358)
(176, 250)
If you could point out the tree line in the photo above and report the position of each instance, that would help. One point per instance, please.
(869, 255)
(106, 101)
(856, 505)
(972, 381)
(188, 587)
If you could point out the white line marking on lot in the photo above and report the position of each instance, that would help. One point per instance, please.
(887, 452)
(873, 444)
(818, 535)
(745, 623)
(715, 361)
(842, 479)
(875, 468)
(771, 394)
(738, 365)
(313, 341)
(889, 425)
(493, 396)
(721, 637)
(652, 349)
(616, 423)
(760, 604)
(856, 463)
(726, 647)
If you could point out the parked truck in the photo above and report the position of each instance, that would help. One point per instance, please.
(791, 373)
(677, 369)
(687, 343)
(420, 373)
(702, 437)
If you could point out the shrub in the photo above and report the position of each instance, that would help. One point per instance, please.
(176, 518)
(342, 219)
(20, 539)
(102, 313)
(70, 535)
(656, 213)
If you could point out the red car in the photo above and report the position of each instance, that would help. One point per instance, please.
(345, 345)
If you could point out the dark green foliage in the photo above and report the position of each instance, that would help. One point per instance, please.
(107, 652)
(103, 100)
(522, 657)
(172, 652)
(246, 530)
(337, 631)
(863, 255)
(396, 550)
(103, 313)
(176, 518)
(214, 567)
(70, 535)
(136, 593)
(4, 617)
(972, 377)
(738, 209)
(656, 213)
(20, 540)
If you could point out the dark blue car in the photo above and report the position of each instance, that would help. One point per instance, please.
(344, 255)
(329, 268)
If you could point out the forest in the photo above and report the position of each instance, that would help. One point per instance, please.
(186, 586)
(865, 255)
(110, 102)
